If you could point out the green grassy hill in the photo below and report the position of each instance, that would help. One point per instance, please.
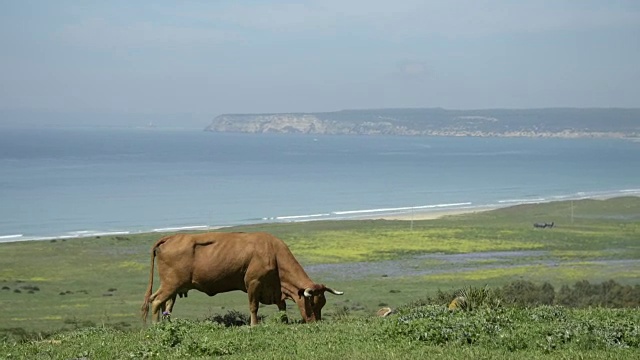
(431, 332)
(80, 296)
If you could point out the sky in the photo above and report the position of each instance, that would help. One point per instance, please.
(205, 58)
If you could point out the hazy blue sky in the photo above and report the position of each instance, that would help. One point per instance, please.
(212, 57)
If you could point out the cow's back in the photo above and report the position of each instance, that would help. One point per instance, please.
(217, 262)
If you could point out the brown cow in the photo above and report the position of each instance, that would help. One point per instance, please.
(257, 263)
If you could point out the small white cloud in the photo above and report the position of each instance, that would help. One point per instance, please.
(412, 68)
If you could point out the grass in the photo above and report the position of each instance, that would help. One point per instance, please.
(48, 286)
(414, 332)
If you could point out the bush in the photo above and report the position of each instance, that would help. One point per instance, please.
(607, 294)
(526, 293)
(543, 328)
(233, 318)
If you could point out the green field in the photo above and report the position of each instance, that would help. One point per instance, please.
(99, 282)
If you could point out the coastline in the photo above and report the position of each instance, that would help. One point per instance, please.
(434, 214)
(437, 214)
(404, 215)
(415, 213)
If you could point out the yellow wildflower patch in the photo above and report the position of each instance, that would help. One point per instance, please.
(351, 246)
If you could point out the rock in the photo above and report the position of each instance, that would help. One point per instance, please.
(384, 312)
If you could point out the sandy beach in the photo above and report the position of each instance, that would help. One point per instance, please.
(432, 214)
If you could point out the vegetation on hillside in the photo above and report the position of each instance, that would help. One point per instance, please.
(420, 331)
(535, 292)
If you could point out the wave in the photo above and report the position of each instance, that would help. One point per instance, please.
(521, 201)
(69, 235)
(7, 238)
(580, 195)
(292, 217)
(182, 228)
(89, 233)
(635, 191)
(603, 194)
(346, 214)
(80, 234)
(108, 233)
(342, 214)
(405, 208)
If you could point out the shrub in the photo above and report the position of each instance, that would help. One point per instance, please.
(544, 328)
(232, 318)
(607, 294)
(30, 287)
(526, 293)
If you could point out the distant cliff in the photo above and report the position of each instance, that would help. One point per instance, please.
(553, 122)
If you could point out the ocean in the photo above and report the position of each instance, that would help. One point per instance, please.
(78, 182)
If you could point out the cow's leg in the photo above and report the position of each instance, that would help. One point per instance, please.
(167, 308)
(159, 301)
(254, 302)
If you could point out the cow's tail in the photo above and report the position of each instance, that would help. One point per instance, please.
(147, 295)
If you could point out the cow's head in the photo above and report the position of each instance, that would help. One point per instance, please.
(311, 300)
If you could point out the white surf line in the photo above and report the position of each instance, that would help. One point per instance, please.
(14, 236)
(179, 228)
(406, 208)
(108, 233)
(521, 201)
(292, 217)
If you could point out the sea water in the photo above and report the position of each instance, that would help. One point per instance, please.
(88, 182)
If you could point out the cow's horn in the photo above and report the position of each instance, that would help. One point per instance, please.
(335, 292)
(308, 292)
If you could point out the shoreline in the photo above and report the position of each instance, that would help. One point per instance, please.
(415, 213)
(434, 214)
(424, 214)
(437, 214)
